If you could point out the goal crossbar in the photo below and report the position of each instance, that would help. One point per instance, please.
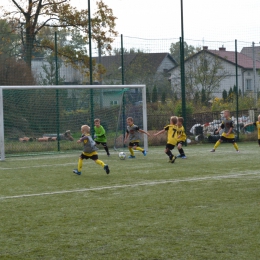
(142, 87)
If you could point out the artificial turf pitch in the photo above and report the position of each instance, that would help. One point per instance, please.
(204, 207)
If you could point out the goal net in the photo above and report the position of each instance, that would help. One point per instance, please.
(44, 119)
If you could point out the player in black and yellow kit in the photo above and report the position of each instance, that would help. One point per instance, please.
(228, 133)
(257, 125)
(89, 152)
(133, 132)
(181, 137)
(171, 130)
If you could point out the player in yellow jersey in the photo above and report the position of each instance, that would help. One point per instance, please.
(228, 133)
(171, 130)
(133, 132)
(90, 150)
(257, 124)
(181, 137)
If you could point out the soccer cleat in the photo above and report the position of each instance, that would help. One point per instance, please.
(179, 156)
(108, 155)
(144, 152)
(184, 157)
(131, 156)
(238, 151)
(76, 172)
(106, 169)
(213, 150)
(173, 159)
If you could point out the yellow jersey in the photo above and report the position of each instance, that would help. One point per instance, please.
(257, 124)
(171, 134)
(181, 135)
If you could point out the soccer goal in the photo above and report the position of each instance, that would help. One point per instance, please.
(45, 119)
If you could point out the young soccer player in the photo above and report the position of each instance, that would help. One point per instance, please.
(133, 132)
(181, 137)
(100, 135)
(171, 130)
(257, 124)
(228, 133)
(89, 151)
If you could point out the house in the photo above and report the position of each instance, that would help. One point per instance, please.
(215, 71)
(138, 68)
(248, 51)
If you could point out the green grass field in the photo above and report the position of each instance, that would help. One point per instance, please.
(204, 207)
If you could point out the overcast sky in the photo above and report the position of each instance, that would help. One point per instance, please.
(206, 22)
(211, 20)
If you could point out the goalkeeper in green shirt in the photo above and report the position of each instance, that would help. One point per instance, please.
(100, 135)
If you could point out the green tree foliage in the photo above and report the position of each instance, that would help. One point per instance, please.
(245, 102)
(154, 95)
(148, 96)
(203, 97)
(49, 69)
(189, 50)
(163, 98)
(9, 40)
(118, 51)
(224, 95)
(178, 109)
(196, 97)
(203, 71)
(230, 95)
(33, 16)
(13, 72)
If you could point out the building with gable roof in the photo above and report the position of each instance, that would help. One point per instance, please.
(139, 68)
(223, 75)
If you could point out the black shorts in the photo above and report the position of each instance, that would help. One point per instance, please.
(102, 143)
(169, 146)
(228, 140)
(132, 144)
(259, 141)
(93, 157)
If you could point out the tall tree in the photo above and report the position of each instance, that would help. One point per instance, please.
(163, 98)
(34, 15)
(154, 95)
(8, 40)
(189, 50)
(202, 71)
(224, 95)
(49, 70)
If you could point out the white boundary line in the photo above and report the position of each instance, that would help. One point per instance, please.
(131, 185)
(38, 166)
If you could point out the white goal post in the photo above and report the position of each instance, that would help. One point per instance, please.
(54, 87)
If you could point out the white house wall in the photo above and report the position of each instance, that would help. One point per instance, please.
(69, 73)
(165, 65)
(225, 84)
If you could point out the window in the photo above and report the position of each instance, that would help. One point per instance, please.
(113, 102)
(248, 84)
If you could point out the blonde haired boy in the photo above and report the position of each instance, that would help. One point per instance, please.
(89, 151)
(172, 136)
(228, 134)
(133, 132)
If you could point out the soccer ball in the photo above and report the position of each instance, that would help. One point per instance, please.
(122, 155)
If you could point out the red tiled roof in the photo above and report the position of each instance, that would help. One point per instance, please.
(242, 60)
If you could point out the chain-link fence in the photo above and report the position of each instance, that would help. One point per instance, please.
(218, 75)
